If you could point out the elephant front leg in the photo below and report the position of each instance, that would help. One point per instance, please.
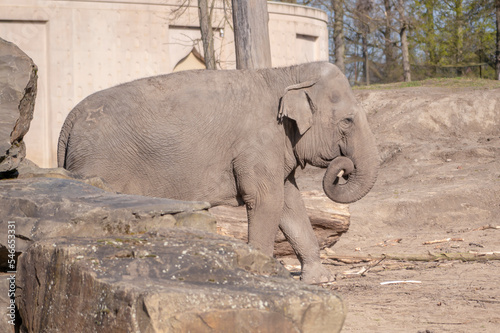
(296, 227)
(264, 209)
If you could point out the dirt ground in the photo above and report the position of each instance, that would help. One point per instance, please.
(439, 180)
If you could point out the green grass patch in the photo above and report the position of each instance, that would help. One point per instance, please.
(453, 83)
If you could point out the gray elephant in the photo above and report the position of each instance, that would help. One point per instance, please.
(230, 138)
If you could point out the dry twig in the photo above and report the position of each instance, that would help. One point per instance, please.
(469, 256)
(375, 264)
(489, 226)
(398, 282)
(390, 242)
(443, 241)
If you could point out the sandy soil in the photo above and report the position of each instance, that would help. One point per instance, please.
(439, 179)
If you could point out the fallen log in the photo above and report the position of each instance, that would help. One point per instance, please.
(329, 220)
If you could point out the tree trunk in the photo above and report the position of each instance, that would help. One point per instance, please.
(406, 55)
(363, 10)
(338, 33)
(207, 33)
(388, 47)
(459, 34)
(366, 64)
(497, 5)
(430, 35)
(404, 42)
(251, 34)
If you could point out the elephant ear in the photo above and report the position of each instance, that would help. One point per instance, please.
(297, 105)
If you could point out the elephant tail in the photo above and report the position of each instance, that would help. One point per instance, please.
(62, 144)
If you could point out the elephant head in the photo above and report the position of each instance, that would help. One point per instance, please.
(330, 131)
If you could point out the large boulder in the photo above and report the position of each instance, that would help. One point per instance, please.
(18, 76)
(177, 280)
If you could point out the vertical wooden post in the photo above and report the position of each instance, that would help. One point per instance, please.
(251, 34)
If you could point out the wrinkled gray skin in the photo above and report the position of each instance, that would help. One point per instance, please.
(229, 138)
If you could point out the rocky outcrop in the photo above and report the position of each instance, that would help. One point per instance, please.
(330, 220)
(18, 76)
(172, 281)
(50, 208)
(94, 261)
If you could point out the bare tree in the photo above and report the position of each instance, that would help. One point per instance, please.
(456, 9)
(251, 34)
(338, 33)
(430, 34)
(404, 41)
(363, 10)
(207, 33)
(205, 11)
(388, 42)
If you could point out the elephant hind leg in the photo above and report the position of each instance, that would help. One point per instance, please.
(296, 227)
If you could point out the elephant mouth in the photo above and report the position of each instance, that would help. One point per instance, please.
(325, 160)
(338, 172)
(323, 163)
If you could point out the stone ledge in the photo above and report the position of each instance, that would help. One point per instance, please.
(177, 280)
(49, 207)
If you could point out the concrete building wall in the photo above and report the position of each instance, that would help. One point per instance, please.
(84, 46)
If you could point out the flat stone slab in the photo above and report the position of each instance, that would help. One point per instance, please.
(49, 207)
(177, 280)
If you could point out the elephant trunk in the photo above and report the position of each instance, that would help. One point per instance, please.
(360, 173)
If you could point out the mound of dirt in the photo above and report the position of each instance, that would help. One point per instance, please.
(440, 166)
(439, 180)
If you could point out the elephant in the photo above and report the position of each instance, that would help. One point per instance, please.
(230, 137)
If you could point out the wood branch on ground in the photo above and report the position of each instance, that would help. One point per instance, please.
(467, 256)
(445, 240)
(329, 220)
(489, 226)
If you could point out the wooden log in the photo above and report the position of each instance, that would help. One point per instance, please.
(329, 220)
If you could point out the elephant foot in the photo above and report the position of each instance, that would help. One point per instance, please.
(316, 273)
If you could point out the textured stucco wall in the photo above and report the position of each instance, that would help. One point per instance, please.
(84, 46)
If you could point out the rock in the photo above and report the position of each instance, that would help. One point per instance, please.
(50, 207)
(18, 76)
(177, 280)
(329, 220)
(28, 169)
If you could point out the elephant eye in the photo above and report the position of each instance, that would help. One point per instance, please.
(347, 122)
